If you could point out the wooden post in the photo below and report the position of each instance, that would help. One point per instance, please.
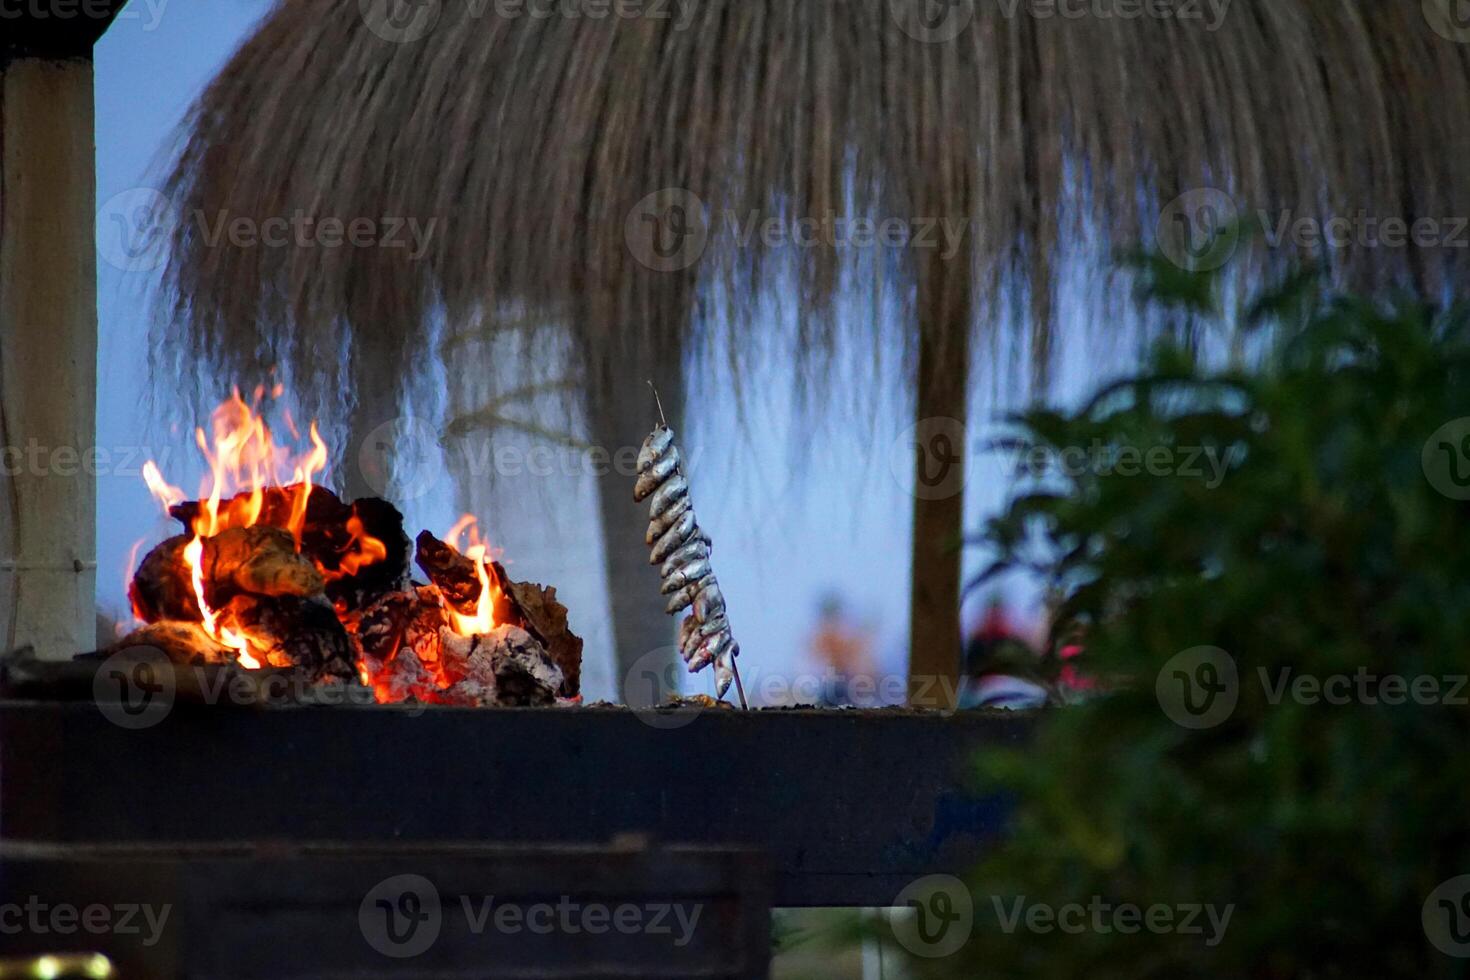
(945, 308)
(48, 330)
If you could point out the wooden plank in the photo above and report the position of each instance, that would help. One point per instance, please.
(243, 912)
(851, 806)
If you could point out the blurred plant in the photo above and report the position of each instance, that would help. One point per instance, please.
(1333, 547)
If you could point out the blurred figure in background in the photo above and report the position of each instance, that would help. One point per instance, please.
(1001, 666)
(843, 649)
(1073, 684)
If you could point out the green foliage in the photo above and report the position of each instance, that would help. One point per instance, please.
(1325, 548)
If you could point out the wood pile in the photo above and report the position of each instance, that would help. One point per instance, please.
(339, 605)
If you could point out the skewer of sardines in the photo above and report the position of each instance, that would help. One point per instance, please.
(683, 549)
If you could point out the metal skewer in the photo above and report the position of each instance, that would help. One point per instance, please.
(734, 661)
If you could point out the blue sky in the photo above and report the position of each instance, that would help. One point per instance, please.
(795, 513)
(152, 63)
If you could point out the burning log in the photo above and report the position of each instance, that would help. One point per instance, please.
(360, 548)
(285, 576)
(389, 634)
(290, 631)
(529, 606)
(259, 560)
(452, 573)
(183, 643)
(161, 589)
(524, 675)
(256, 560)
(382, 626)
(410, 651)
(410, 643)
(536, 608)
(266, 594)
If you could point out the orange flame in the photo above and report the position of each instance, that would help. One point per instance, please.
(243, 457)
(167, 495)
(482, 621)
(194, 558)
(244, 460)
(369, 550)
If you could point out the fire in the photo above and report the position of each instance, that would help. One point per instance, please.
(169, 496)
(244, 458)
(245, 463)
(369, 549)
(477, 551)
(194, 557)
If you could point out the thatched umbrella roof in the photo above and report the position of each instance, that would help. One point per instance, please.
(530, 141)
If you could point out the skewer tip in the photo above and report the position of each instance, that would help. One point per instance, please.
(660, 402)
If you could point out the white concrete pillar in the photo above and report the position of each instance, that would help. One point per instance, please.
(48, 355)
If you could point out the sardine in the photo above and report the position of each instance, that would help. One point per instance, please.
(650, 480)
(724, 674)
(710, 602)
(676, 489)
(695, 550)
(715, 625)
(686, 575)
(660, 525)
(683, 529)
(702, 658)
(654, 447)
(719, 643)
(683, 599)
(689, 639)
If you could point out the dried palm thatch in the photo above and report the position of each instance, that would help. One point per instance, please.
(532, 140)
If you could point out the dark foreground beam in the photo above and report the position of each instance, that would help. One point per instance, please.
(269, 913)
(54, 29)
(850, 806)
